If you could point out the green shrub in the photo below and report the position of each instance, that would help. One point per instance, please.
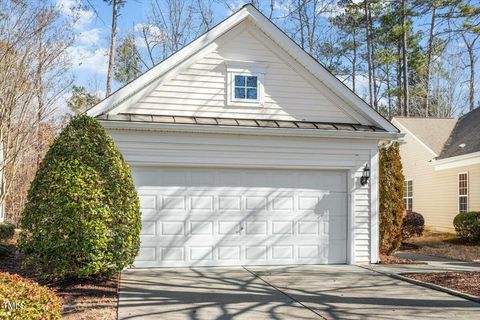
(82, 217)
(7, 231)
(391, 198)
(467, 226)
(25, 299)
(413, 225)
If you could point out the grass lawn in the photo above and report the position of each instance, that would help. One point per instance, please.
(443, 244)
(88, 299)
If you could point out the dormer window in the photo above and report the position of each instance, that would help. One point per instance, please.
(246, 87)
(245, 84)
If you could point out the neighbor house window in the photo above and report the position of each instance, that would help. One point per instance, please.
(463, 192)
(408, 194)
(246, 87)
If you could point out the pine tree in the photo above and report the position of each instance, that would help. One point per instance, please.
(127, 65)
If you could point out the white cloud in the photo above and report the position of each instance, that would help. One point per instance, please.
(92, 60)
(74, 9)
(89, 37)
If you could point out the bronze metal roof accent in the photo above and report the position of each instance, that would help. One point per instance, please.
(258, 123)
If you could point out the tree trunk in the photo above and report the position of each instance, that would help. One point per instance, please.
(111, 58)
(354, 62)
(40, 91)
(300, 17)
(429, 59)
(472, 59)
(372, 63)
(471, 94)
(399, 83)
(369, 52)
(389, 93)
(406, 108)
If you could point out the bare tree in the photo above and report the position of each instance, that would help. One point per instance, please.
(33, 65)
(470, 41)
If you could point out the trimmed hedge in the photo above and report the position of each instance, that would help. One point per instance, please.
(413, 225)
(467, 226)
(82, 217)
(25, 299)
(7, 231)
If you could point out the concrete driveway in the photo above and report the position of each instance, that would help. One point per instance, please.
(293, 292)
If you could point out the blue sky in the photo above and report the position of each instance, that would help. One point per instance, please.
(89, 54)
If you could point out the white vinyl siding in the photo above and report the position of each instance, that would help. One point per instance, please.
(462, 192)
(201, 90)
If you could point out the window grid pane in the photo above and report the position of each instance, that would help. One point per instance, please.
(246, 87)
(463, 192)
(408, 194)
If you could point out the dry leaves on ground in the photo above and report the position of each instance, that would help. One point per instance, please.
(466, 281)
(443, 244)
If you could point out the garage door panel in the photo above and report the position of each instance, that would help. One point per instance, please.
(201, 227)
(254, 228)
(202, 203)
(227, 202)
(173, 228)
(206, 217)
(229, 253)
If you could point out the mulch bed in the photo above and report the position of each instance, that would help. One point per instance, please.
(384, 259)
(83, 299)
(465, 281)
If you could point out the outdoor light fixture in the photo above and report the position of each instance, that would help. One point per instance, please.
(365, 176)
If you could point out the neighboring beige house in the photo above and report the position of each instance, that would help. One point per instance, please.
(441, 164)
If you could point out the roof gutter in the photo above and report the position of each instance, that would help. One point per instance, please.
(143, 126)
(457, 161)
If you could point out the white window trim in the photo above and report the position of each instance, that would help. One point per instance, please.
(407, 197)
(458, 191)
(245, 68)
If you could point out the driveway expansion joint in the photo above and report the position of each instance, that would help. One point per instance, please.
(283, 292)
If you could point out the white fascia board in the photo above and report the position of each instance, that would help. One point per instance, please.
(156, 72)
(456, 162)
(147, 126)
(403, 128)
(317, 69)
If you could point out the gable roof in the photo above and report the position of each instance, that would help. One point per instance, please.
(465, 137)
(140, 85)
(432, 132)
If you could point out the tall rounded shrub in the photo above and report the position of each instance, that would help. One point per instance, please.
(391, 198)
(82, 217)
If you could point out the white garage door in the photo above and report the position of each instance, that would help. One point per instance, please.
(214, 217)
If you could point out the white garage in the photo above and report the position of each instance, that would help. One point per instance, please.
(249, 154)
(212, 217)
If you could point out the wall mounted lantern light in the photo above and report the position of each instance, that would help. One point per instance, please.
(365, 176)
